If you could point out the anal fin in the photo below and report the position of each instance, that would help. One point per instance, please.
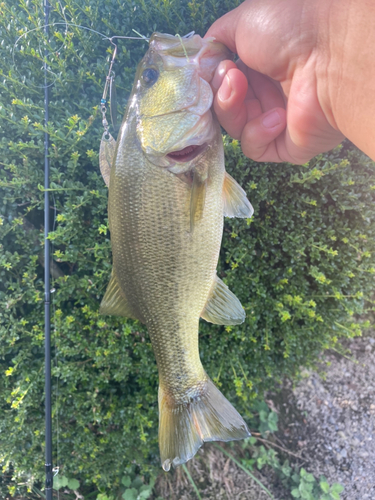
(223, 307)
(114, 302)
(236, 203)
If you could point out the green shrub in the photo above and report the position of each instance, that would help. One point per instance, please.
(303, 266)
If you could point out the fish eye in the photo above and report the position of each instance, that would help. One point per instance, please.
(149, 76)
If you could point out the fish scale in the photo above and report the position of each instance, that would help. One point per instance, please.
(156, 210)
(166, 223)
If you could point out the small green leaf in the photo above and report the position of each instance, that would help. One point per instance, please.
(309, 478)
(305, 489)
(130, 494)
(152, 482)
(144, 494)
(337, 488)
(326, 497)
(307, 495)
(286, 469)
(263, 415)
(295, 493)
(60, 482)
(272, 421)
(137, 483)
(73, 484)
(324, 486)
(126, 480)
(296, 478)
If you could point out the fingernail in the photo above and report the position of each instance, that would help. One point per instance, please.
(271, 120)
(225, 89)
(218, 77)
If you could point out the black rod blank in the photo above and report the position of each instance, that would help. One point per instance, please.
(47, 303)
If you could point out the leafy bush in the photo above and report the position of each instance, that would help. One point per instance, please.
(303, 266)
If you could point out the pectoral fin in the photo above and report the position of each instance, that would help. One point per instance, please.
(198, 196)
(236, 203)
(223, 307)
(114, 302)
(106, 155)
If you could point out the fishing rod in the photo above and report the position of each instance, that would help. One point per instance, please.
(47, 293)
(49, 472)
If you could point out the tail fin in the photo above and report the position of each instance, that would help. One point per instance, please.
(184, 427)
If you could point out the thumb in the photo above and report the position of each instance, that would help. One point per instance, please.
(225, 28)
(265, 34)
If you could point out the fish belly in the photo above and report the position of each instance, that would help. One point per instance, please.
(165, 271)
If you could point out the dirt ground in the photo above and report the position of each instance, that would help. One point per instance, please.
(328, 420)
(339, 438)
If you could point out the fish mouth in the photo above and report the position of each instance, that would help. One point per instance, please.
(187, 154)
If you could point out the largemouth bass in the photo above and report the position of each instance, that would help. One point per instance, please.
(168, 193)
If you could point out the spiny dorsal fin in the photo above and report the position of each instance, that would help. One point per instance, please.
(106, 155)
(223, 307)
(114, 302)
(198, 197)
(236, 203)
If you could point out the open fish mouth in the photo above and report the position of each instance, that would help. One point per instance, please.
(187, 154)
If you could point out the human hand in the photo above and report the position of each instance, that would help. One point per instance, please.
(275, 99)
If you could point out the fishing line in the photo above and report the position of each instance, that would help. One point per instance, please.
(66, 28)
(183, 46)
(109, 83)
(66, 24)
(142, 36)
(46, 54)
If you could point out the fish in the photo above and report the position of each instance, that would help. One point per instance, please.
(168, 195)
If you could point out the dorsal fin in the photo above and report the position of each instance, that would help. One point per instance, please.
(236, 203)
(223, 307)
